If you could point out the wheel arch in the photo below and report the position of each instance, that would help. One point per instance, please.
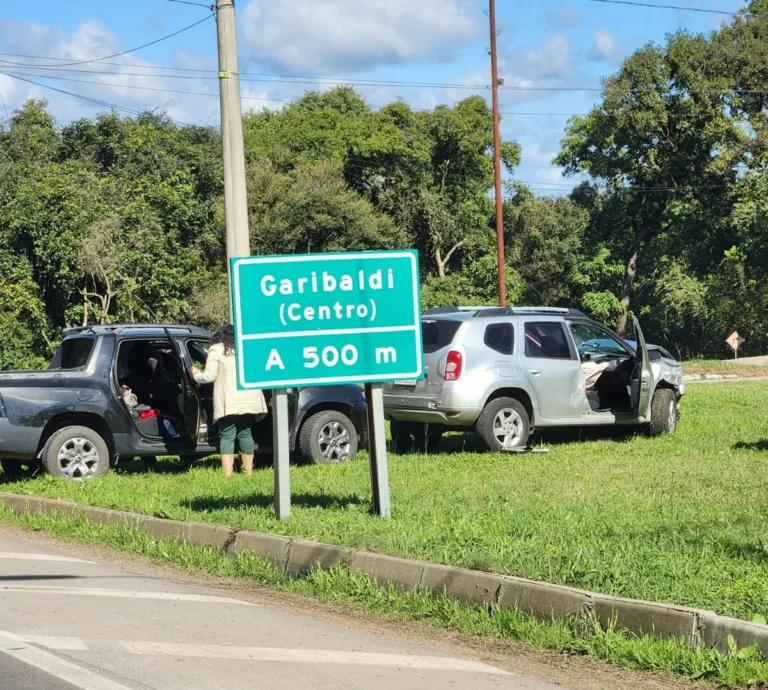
(518, 394)
(86, 419)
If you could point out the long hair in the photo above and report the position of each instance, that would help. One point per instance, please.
(226, 336)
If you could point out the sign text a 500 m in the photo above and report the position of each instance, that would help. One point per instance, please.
(319, 319)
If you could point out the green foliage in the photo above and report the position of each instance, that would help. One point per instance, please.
(311, 209)
(24, 326)
(478, 285)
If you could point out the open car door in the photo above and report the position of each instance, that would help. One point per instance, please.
(192, 403)
(641, 388)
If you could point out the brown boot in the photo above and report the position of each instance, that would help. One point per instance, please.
(228, 464)
(247, 461)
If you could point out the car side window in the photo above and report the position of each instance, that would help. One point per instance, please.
(500, 337)
(546, 340)
(198, 352)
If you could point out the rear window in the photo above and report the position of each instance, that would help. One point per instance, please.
(500, 337)
(438, 334)
(72, 354)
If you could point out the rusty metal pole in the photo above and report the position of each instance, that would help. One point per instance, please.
(497, 160)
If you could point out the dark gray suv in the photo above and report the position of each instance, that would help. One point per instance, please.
(126, 391)
(502, 371)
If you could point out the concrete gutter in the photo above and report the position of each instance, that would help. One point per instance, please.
(542, 600)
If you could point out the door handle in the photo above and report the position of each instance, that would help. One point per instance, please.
(535, 372)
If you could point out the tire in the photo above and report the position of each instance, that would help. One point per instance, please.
(663, 412)
(501, 414)
(76, 453)
(328, 438)
(12, 468)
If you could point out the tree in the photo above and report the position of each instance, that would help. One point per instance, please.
(24, 327)
(311, 209)
(662, 142)
(544, 245)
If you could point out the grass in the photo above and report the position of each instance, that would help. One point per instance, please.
(679, 519)
(725, 368)
(741, 668)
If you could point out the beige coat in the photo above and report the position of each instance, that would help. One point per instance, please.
(221, 371)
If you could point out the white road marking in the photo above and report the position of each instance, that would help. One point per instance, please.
(312, 656)
(61, 644)
(42, 557)
(18, 648)
(119, 594)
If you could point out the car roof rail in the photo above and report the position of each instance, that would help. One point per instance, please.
(456, 310)
(493, 312)
(118, 327)
(440, 310)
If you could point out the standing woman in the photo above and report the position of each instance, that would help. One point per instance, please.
(235, 411)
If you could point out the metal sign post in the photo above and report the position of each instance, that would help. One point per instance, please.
(281, 453)
(374, 403)
(324, 319)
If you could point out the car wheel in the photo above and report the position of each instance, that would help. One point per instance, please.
(77, 453)
(663, 412)
(503, 424)
(328, 438)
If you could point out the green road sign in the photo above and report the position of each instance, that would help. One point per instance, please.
(319, 319)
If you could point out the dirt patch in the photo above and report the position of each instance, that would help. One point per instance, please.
(572, 672)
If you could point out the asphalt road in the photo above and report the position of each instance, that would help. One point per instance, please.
(71, 624)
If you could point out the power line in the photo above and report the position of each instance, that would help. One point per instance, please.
(195, 4)
(114, 55)
(147, 88)
(665, 7)
(5, 107)
(30, 73)
(104, 62)
(94, 101)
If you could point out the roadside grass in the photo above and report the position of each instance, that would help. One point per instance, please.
(727, 368)
(680, 519)
(669, 657)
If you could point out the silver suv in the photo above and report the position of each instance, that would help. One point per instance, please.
(502, 371)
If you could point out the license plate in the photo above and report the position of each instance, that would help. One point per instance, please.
(405, 382)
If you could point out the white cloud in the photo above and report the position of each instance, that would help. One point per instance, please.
(342, 36)
(603, 46)
(534, 155)
(132, 83)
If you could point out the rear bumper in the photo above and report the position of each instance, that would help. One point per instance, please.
(428, 411)
(18, 442)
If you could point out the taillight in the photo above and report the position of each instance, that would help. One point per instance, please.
(453, 366)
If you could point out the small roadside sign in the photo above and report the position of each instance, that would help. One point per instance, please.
(322, 319)
(735, 341)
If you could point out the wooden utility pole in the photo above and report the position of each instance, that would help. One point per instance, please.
(235, 196)
(497, 160)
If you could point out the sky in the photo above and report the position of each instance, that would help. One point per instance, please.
(543, 44)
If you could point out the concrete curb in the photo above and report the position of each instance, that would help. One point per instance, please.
(543, 600)
(720, 378)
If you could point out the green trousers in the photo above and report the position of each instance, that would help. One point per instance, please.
(236, 427)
